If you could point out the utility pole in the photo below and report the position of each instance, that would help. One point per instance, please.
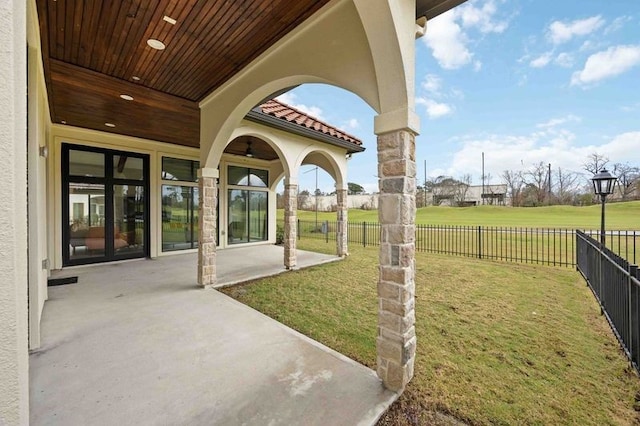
(482, 196)
(315, 194)
(549, 196)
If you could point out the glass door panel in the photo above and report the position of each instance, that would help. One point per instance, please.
(257, 216)
(129, 219)
(179, 217)
(86, 221)
(237, 232)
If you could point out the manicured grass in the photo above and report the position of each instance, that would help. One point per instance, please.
(619, 216)
(497, 343)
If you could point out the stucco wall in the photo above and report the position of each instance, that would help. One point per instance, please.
(14, 380)
(39, 125)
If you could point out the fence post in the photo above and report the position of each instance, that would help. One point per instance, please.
(298, 229)
(479, 242)
(364, 234)
(326, 233)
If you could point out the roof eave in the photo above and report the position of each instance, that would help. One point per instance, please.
(278, 123)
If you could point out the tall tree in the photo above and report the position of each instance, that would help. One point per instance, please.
(595, 162)
(354, 188)
(536, 180)
(515, 183)
(628, 178)
(566, 186)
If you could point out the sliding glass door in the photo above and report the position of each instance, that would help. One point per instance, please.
(105, 205)
(248, 208)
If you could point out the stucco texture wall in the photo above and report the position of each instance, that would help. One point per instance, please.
(14, 380)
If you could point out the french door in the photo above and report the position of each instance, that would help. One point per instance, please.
(105, 205)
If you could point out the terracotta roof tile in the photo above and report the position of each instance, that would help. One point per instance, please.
(285, 112)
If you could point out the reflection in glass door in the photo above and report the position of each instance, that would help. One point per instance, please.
(105, 207)
(247, 216)
(129, 227)
(86, 225)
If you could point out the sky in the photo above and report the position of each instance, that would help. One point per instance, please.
(524, 81)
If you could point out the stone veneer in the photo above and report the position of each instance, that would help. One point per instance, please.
(207, 227)
(396, 341)
(341, 237)
(290, 224)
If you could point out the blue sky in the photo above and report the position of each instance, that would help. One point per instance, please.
(523, 81)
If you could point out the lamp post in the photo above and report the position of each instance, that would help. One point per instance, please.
(603, 183)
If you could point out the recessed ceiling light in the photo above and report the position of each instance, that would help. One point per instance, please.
(169, 20)
(156, 44)
(135, 78)
(109, 124)
(126, 97)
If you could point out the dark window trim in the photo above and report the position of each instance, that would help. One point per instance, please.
(108, 181)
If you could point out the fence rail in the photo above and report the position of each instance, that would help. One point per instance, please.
(616, 285)
(548, 246)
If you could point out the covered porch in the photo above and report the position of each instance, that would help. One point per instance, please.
(139, 342)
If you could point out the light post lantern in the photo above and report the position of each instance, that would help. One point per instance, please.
(603, 183)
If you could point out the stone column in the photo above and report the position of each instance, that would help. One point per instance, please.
(290, 224)
(341, 232)
(207, 228)
(396, 341)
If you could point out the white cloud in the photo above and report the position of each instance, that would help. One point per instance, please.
(561, 32)
(290, 99)
(564, 59)
(447, 42)
(447, 35)
(558, 121)
(541, 61)
(608, 63)
(482, 17)
(432, 84)
(617, 24)
(514, 152)
(435, 109)
(353, 123)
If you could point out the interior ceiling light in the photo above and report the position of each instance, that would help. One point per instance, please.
(249, 151)
(126, 97)
(169, 20)
(109, 124)
(135, 78)
(156, 44)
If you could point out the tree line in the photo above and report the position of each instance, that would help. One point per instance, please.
(543, 185)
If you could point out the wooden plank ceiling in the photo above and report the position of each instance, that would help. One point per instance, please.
(96, 50)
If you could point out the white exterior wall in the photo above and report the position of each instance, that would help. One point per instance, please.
(329, 202)
(298, 150)
(14, 360)
(39, 126)
(156, 150)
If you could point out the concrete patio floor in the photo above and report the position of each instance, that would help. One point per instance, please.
(140, 343)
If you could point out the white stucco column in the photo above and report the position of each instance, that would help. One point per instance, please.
(14, 358)
(207, 228)
(342, 219)
(290, 223)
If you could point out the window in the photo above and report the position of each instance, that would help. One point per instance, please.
(180, 202)
(242, 176)
(248, 208)
(178, 169)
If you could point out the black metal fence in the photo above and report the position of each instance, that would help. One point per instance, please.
(548, 246)
(616, 285)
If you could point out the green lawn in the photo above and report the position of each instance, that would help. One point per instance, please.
(619, 216)
(497, 343)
